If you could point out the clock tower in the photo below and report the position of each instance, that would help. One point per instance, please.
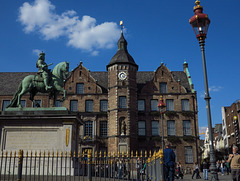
(122, 100)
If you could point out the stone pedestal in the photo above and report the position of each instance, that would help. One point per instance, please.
(123, 144)
(39, 129)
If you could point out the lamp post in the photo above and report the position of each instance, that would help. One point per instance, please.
(161, 106)
(200, 23)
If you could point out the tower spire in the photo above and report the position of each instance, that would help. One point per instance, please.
(122, 56)
(121, 24)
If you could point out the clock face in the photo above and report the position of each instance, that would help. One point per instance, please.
(122, 75)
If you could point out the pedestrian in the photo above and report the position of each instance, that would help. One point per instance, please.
(234, 159)
(138, 167)
(222, 166)
(228, 168)
(119, 165)
(169, 162)
(218, 166)
(196, 171)
(205, 169)
(179, 170)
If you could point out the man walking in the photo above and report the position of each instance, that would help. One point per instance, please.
(169, 163)
(235, 164)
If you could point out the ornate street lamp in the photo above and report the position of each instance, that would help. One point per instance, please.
(161, 106)
(200, 23)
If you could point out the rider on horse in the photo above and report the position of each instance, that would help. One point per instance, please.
(43, 70)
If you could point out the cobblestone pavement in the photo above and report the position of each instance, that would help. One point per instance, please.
(220, 177)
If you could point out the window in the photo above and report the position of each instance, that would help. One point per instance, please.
(141, 105)
(38, 103)
(23, 103)
(58, 103)
(185, 105)
(88, 128)
(122, 102)
(186, 128)
(188, 154)
(141, 128)
(155, 128)
(5, 104)
(103, 128)
(170, 105)
(103, 105)
(154, 105)
(163, 87)
(74, 105)
(89, 106)
(80, 88)
(171, 127)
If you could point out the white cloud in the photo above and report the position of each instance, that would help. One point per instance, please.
(95, 53)
(36, 51)
(215, 88)
(211, 89)
(84, 33)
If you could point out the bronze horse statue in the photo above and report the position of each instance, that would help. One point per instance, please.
(34, 84)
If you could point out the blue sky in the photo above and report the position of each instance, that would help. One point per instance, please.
(156, 31)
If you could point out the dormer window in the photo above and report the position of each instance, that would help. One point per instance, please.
(79, 88)
(163, 87)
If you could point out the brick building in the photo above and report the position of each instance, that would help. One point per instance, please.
(231, 126)
(119, 106)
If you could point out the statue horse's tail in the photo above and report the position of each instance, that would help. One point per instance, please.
(14, 100)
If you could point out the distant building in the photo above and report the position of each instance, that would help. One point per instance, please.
(224, 129)
(119, 106)
(231, 125)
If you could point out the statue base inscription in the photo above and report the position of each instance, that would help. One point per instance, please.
(38, 129)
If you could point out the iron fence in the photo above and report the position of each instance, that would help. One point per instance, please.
(76, 166)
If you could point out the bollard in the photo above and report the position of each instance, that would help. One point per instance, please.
(89, 165)
(20, 161)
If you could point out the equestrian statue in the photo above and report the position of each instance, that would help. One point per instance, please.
(45, 82)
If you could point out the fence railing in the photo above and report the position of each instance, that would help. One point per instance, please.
(76, 166)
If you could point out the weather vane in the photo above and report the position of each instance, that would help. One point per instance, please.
(121, 24)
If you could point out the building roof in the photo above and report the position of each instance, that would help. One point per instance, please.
(122, 56)
(9, 81)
